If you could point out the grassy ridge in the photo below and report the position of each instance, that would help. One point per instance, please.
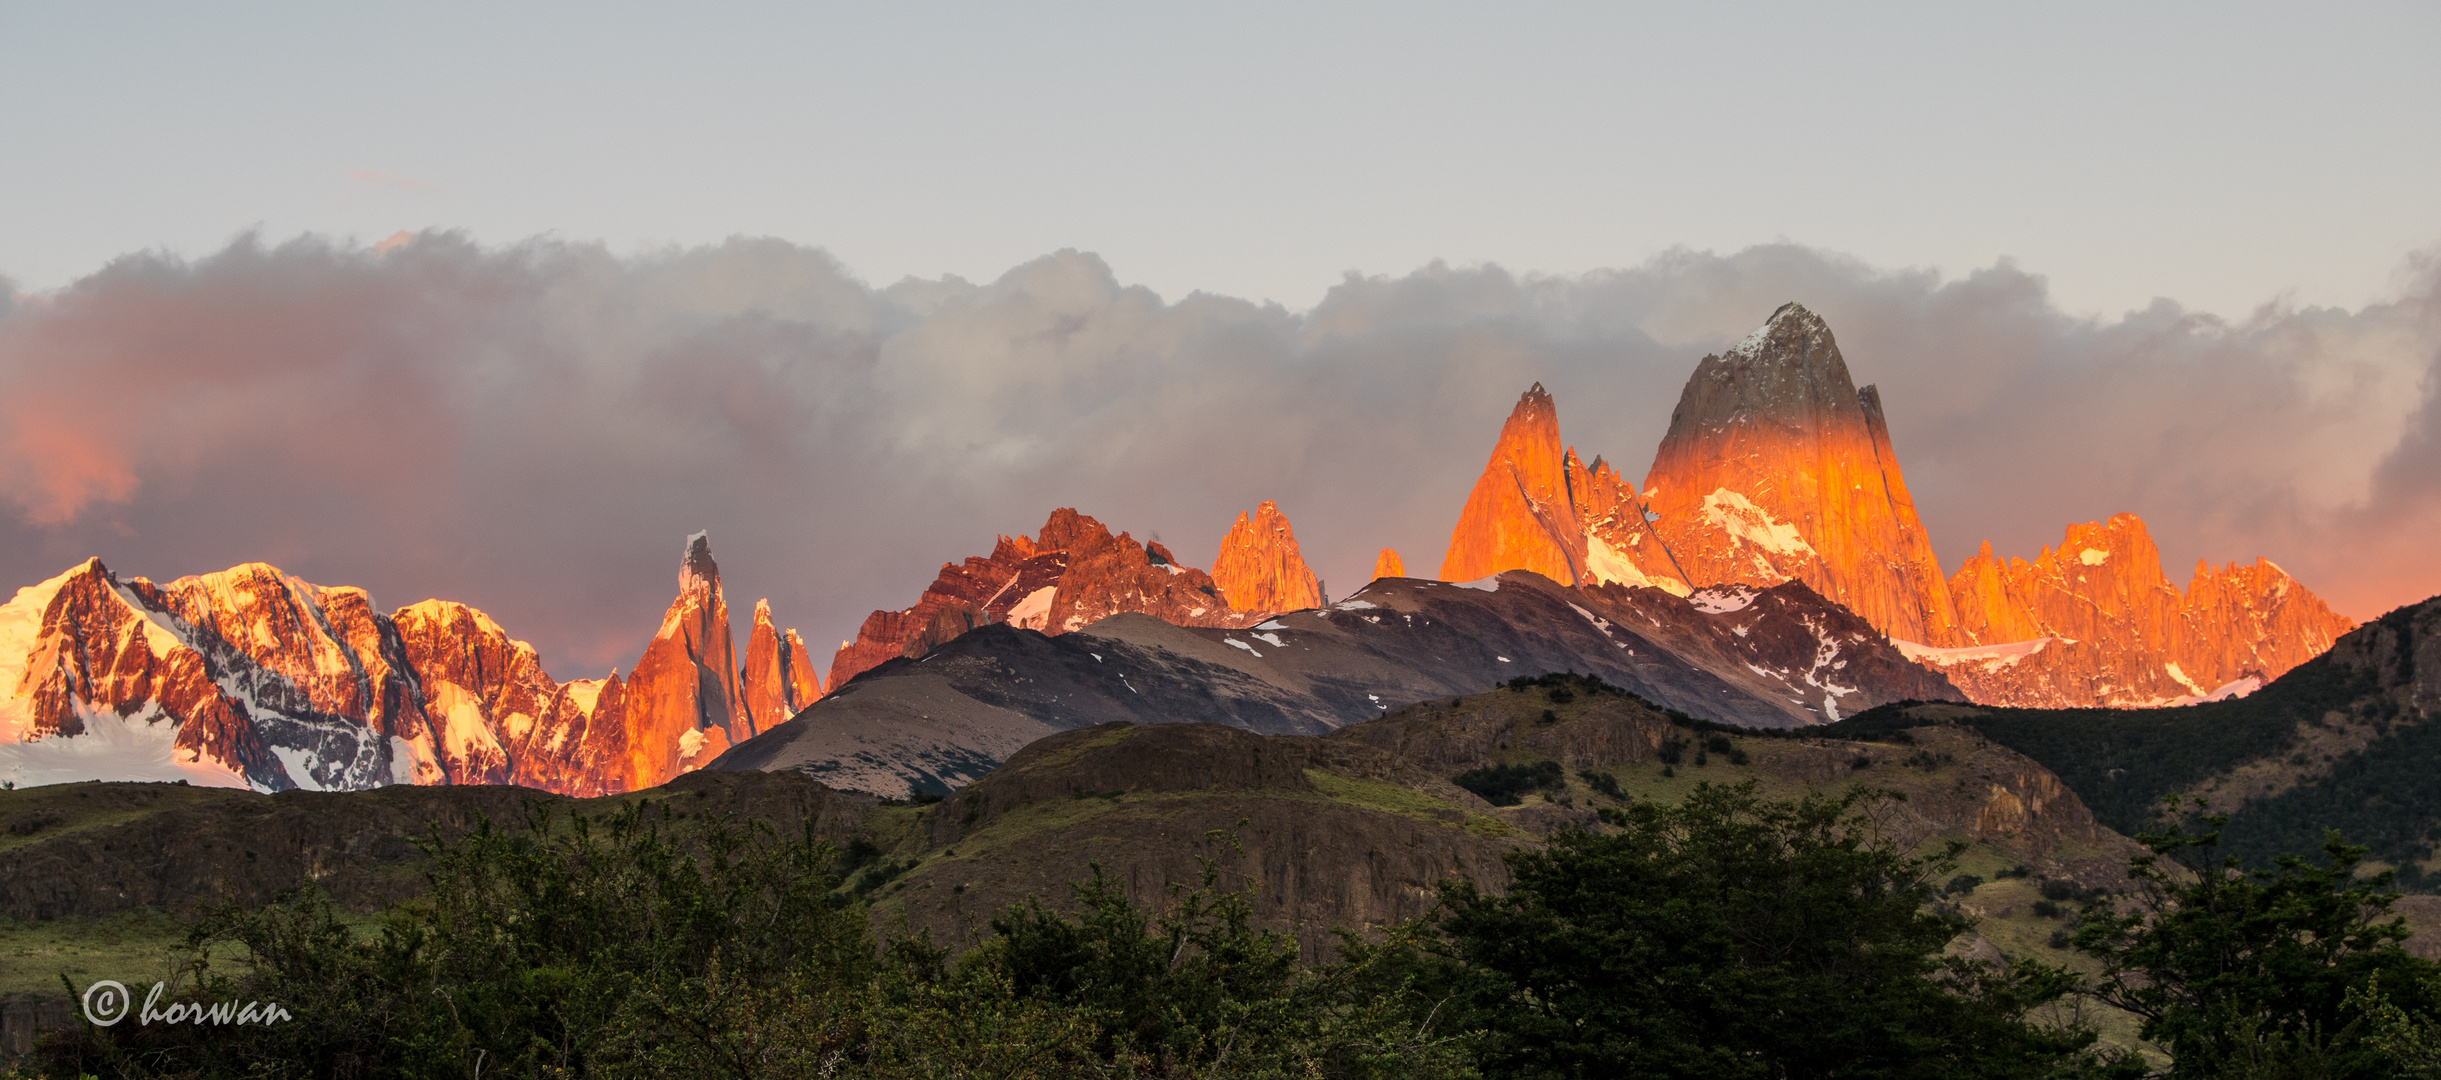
(2124, 762)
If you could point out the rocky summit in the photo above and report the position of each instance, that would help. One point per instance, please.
(1072, 573)
(1258, 567)
(1388, 564)
(2096, 622)
(1777, 468)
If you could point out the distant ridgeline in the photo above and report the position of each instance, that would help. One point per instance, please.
(2345, 741)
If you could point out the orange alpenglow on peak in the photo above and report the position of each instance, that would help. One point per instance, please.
(684, 705)
(1258, 567)
(2096, 622)
(1071, 574)
(1387, 564)
(778, 679)
(1778, 467)
(1541, 508)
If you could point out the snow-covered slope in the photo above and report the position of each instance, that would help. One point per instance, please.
(251, 677)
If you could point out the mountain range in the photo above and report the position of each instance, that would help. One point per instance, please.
(249, 677)
(1771, 571)
(1777, 467)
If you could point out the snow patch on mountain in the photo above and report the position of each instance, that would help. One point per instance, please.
(1738, 516)
(1991, 657)
(1034, 612)
(141, 747)
(1722, 599)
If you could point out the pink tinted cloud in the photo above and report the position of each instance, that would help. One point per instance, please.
(534, 429)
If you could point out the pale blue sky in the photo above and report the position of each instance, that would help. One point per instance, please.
(2218, 154)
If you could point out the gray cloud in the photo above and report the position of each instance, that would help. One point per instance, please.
(533, 429)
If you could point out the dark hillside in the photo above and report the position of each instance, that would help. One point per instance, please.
(2343, 742)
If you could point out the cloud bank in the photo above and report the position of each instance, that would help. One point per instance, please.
(534, 429)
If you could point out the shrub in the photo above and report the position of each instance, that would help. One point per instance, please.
(1507, 785)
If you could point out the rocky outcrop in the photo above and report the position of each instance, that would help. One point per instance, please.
(1541, 508)
(1258, 567)
(2096, 622)
(1520, 516)
(1388, 564)
(1072, 573)
(778, 679)
(1777, 467)
(250, 677)
(684, 705)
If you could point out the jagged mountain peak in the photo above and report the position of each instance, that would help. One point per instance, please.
(1788, 368)
(1790, 324)
(1072, 573)
(1388, 565)
(1259, 567)
(696, 570)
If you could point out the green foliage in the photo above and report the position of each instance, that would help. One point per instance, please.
(2382, 795)
(1733, 937)
(2252, 972)
(629, 947)
(1604, 783)
(2124, 762)
(1196, 990)
(1508, 785)
(591, 947)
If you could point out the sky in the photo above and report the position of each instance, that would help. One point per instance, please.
(859, 288)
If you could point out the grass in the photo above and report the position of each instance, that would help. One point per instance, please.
(133, 947)
(30, 816)
(1404, 801)
(1069, 753)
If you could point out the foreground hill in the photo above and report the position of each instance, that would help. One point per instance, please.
(2345, 741)
(1354, 829)
(1760, 658)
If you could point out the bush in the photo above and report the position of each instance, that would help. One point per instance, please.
(1603, 783)
(1671, 751)
(1507, 785)
(2229, 967)
(1732, 937)
(1963, 883)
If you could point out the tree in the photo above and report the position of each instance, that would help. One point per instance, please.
(1734, 937)
(2237, 971)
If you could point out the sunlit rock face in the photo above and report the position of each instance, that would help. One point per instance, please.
(1258, 567)
(777, 678)
(1777, 467)
(1540, 507)
(2096, 622)
(1072, 573)
(1520, 516)
(255, 678)
(1388, 564)
(684, 705)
